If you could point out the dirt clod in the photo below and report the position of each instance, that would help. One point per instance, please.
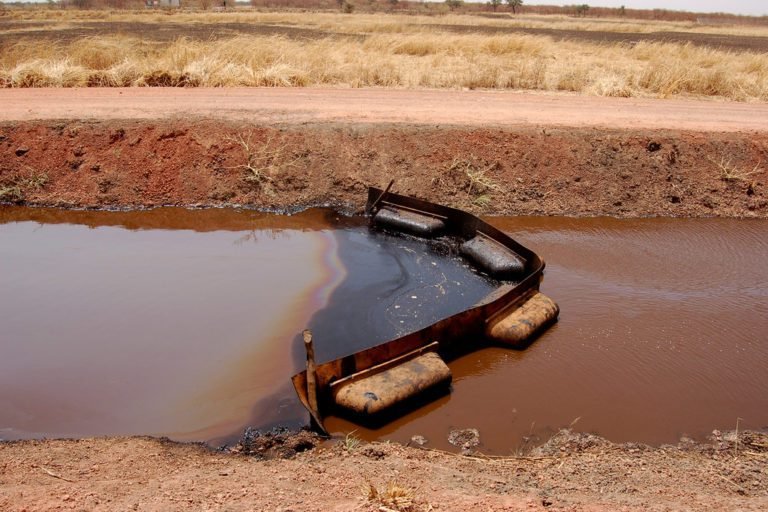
(466, 439)
(653, 146)
(278, 443)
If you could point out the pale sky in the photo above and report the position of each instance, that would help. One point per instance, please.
(752, 7)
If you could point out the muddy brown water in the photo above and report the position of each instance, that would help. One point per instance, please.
(184, 323)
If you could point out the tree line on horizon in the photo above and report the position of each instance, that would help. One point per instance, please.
(419, 6)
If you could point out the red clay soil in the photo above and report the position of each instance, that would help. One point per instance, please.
(523, 170)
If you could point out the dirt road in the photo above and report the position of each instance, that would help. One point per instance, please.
(371, 106)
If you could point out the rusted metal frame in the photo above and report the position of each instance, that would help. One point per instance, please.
(450, 329)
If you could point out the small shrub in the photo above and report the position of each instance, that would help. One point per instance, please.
(730, 172)
(392, 497)
(351, 442)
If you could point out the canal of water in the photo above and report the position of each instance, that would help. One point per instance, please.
(186, 323)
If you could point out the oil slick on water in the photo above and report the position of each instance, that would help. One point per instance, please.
(187, 327)
(108, 330)
(184, 323)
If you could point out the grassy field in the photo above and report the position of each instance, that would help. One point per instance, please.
(65, 48)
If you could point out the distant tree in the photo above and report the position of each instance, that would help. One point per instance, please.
(581, 9)
(515, 5)
(394, 2)
(454, 4)
(622, 11)
(494, 4)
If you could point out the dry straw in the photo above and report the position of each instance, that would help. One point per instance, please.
(389, 51)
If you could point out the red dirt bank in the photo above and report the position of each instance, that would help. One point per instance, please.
(490, 152)
(522, 170)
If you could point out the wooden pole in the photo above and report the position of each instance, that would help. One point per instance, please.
(375, 204)
(311, 372)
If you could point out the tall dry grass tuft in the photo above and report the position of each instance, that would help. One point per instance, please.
(672, 70)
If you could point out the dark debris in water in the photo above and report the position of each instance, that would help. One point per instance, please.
(277, 443)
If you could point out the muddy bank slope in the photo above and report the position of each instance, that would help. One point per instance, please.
(571, 472)
(502, 170)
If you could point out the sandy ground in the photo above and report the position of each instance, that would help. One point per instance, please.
(491, 153)
(458, 108)
(571, 472)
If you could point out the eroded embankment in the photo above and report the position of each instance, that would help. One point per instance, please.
(503, 171)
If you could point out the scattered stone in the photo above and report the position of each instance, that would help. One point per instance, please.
(465, 439)
(117, 135)
(21, 151)
(568, 441)
(278, 443)
(373, 452)
(172, 134)
(709, 202)
(419, 440)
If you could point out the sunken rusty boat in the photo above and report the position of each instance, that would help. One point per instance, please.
(390, 378)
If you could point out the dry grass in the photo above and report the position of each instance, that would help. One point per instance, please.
(732, 172)
(393, 498)
(15, 187)
(388, 51)
(262, 162)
